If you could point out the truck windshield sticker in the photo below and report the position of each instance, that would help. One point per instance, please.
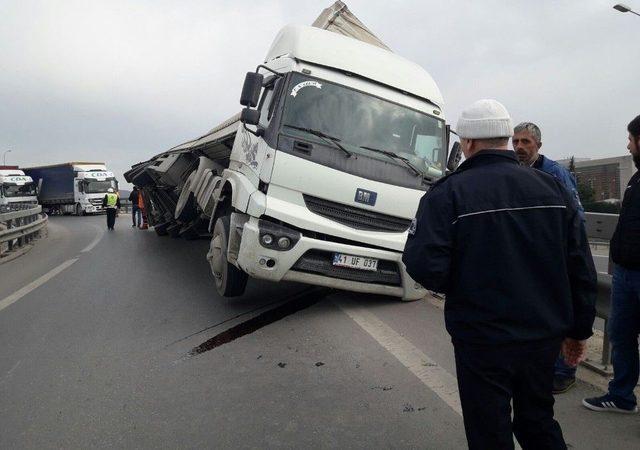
(299, 86)
(98, 175)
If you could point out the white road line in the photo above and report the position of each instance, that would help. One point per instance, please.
(17, 295)
(93, 243)
(428, 371)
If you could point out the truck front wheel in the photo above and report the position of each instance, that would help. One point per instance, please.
(230, 281)
(79, 211)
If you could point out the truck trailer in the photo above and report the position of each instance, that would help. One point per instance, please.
(319, 176)
(72, 188)
(16, 186)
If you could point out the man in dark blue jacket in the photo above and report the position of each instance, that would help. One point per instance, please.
(527, 140)
(507, 246)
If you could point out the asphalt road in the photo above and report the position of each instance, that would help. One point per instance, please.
(98, 331)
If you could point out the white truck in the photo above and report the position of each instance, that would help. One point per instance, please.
(16, 187)
(74, 187)
(318, 179)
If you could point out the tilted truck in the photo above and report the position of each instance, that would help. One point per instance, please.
(318, 179)
(16, 187)
(74, 187)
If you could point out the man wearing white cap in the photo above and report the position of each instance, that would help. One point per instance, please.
(111, 202)
(506, 244)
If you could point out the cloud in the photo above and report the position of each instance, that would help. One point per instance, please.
(120, 81)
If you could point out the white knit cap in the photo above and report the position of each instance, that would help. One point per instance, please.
(110, 190)
(485, 119)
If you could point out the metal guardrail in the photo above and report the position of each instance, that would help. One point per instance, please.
(20, 224)
(600, 228)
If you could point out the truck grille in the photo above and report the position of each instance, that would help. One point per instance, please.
(321, 263)
(95, 201)
(358, 218)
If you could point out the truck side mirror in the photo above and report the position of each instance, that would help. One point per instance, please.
(454, 157)
(251, 89)
(250, 116)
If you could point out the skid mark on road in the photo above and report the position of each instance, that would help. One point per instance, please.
(93, 243)
(299, 302)
(17, 295)
(428, 371)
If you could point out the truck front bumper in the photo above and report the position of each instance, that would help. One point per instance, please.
(310, 260)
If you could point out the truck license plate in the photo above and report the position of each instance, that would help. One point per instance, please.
(355, 262)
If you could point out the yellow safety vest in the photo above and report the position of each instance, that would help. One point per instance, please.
(112, 200)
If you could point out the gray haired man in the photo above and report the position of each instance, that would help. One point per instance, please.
(527, 140)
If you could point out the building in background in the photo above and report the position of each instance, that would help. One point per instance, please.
(608, 177)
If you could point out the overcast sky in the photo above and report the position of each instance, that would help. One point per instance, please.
(119, 81)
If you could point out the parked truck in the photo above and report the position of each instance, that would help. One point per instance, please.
(318, 178)
(72, 188)
(16, 187)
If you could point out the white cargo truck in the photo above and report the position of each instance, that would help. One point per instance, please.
(16, 187)
(74, 187)
(318, 179)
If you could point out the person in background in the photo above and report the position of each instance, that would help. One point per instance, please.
(143, 225)
(136, 212)
(111, 202)
(527, 140)
(507, 246)
(624, 325)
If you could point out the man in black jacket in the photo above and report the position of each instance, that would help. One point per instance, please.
(136, 213)
(624, 325)
(507, 246)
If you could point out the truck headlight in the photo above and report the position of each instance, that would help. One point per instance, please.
(284, 243)
(277, 237)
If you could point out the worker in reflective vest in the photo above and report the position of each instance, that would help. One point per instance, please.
(111, 202)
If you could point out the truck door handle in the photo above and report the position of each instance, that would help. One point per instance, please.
(302, 147)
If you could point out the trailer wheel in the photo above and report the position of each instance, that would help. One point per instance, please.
(230, 281)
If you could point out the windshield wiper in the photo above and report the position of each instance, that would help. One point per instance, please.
(331, 139)
(394, 157)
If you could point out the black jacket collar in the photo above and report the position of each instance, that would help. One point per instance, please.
(484, 157)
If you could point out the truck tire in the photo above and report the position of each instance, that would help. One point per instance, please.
(161, 230)
(230, 281)
(79, 211)
(174, 230)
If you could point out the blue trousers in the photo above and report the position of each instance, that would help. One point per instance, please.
(136, 213)
(624, 327)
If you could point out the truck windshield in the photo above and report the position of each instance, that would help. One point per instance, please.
(99, 187)
(26, 190)
(363, 123)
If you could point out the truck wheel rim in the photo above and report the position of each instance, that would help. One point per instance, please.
(216, 256)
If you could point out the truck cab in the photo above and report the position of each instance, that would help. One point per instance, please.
(90, 186)
(16, 187)
(326, 173)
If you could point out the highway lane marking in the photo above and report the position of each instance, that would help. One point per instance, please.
(436, 378)
(427, 370)
(17, 295)
(95, 241)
